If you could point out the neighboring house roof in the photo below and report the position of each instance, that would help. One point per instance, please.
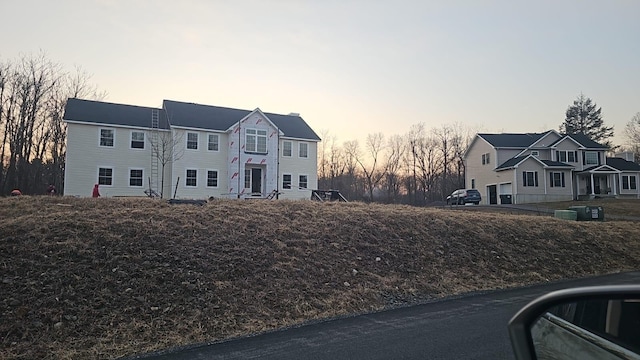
(622, 164)
(583, 140)
(511, 162)
(512, 140)
(221, 118)
(112, 114)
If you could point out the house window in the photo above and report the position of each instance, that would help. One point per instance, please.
(192, 177)
(591, 158)
(557, 179)
(135, 177)
(256, 141)
(106, 137)
(192, 141)
(214, 140)
(212, 178)
(302, 181)
(567, 156)
(247, 178)
(286, 148)
(286, 181)
(485, 159)
(303, 150)
(530, 178)
(105, 176)
(137, 140)
(628, 182)
(535, 153)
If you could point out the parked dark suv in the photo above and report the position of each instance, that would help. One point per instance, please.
(464, 196)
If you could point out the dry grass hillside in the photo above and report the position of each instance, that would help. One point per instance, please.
(105, 278)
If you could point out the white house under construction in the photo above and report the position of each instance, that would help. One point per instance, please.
(187, 151)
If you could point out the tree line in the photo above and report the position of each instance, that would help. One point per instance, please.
(33, 94)
(420, 167)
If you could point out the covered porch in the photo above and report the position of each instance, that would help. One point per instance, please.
(598, 182)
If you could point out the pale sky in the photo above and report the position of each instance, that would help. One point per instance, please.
(352, 67)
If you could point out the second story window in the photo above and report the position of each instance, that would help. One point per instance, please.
(106, 137)
(303, 150)
(192, 141)
(566, 156)
(213, 142)
(485, 159)
(286, 148)
(256, 141)
(591, 158)
(137, 140)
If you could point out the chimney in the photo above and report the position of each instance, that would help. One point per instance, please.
(294, 114)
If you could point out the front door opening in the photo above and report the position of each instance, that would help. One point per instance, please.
(256, 181)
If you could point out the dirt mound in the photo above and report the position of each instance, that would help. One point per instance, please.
(104, 278)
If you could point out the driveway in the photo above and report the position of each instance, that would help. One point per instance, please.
(472, 326)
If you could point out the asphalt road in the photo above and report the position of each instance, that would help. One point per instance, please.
(468, 327)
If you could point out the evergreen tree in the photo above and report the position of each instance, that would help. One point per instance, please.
(584, 117)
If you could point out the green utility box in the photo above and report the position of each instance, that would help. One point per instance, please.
(566, 214)
(589, 213)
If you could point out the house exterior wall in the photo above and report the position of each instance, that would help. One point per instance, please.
(295, 166)
(85, 156)
(201, 160)
(475, 171)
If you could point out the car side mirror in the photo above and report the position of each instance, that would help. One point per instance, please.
(582, 323)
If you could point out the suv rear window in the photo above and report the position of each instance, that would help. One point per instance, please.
(473, 192)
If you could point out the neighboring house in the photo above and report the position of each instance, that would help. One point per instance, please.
(206, 151)
(528, 168)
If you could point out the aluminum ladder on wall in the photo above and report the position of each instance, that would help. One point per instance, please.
(155, 147)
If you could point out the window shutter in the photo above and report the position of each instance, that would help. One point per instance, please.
(575, 156)
(535, 174)
(563, 179)
(551, 178)
(557, 155)
(583, 158)
(524, 178)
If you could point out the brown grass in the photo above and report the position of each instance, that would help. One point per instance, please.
(104, 278)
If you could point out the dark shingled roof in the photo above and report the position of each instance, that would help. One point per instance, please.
(516, 160)
(511, 162)
(512, 140)
(622, 164)
(221, 119)
(179, 114)
(556, 164)
(583, 140)
(111, 114)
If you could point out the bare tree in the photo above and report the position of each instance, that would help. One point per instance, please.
(632, 134)
(396, 149)
(372, 174)
(166, 147)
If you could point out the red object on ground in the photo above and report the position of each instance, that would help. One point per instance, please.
(96, 192)
(16, 192)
